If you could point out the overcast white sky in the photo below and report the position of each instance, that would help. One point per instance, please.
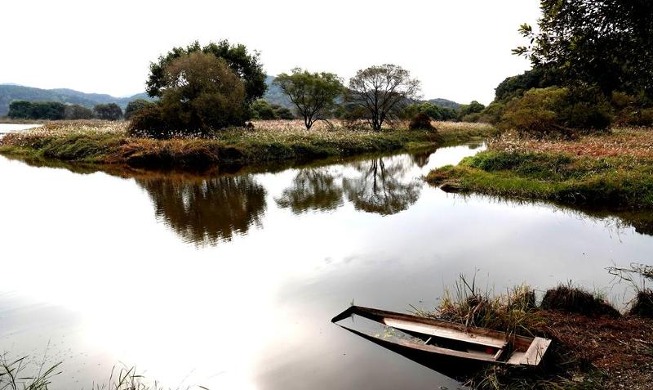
(459, 49)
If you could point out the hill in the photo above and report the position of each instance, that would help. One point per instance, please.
(444, 103)
(274, 94)
(11, 92)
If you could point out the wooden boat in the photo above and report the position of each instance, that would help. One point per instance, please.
(442, 339)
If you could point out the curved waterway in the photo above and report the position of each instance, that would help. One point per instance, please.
(230, 282)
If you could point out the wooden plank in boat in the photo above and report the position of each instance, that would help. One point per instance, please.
(453, 334)
(535, 352)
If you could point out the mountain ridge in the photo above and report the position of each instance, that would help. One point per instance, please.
(10, 92)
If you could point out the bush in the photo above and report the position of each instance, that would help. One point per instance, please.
(421, 121)
(150, 122)
(631, 110)
(574, 300)
(557, 111)
(643, 305)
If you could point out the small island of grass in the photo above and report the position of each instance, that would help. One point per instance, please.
(108, 143)
(606, 170)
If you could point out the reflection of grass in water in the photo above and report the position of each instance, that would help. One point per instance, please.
(13, 377)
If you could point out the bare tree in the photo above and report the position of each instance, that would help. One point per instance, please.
(382, 91)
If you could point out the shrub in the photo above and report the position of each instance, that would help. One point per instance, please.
(575, 300)
(643, 305)
(557, 111)
(421, 121)
(150, 122)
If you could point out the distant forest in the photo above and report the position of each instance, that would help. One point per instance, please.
(10, 92)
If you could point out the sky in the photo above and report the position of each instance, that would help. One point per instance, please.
(458, 49)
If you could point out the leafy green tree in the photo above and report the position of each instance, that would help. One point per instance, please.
(382, 92)
(313, 94)
(136, 105)
(261, 109)
(36, 110)
(200, 94)
(20, 109)
(282, 112)
(110, 111)
(608, 43)
(245, 65)
(467, 112)
(75, 111)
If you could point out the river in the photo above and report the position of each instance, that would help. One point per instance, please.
(230, 282)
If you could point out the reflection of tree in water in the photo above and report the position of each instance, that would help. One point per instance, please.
(379, 189)
(422, 158)
(207, 211)
(312, 189)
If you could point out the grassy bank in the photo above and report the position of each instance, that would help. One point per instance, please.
(594, 346)
(607, 171)
(269, 141)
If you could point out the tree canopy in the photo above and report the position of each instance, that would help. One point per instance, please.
(608, 43)
(200, 93)
(110, 111)
(382, 92)
(245, 65)
(313, 94)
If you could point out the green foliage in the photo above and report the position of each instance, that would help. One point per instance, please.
(516, 86)
(467, 111)
(263, 110)
(136, 105)
(36, 110)
(435, 112)
(556, 111)
(75, 111)
(12, 376)
(201, 93)
(313, 94)
(604, 42)
(614, 182)
(245, 65)
(110, 111)
(632, 110)
(382, 92)
(421, 121)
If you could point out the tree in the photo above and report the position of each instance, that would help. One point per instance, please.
(313, 94)
(36, 110)
(199, 93)
(467, 111)
(110, 111)
(136, 105)
(608, 43)
(246, 66)
(382, 92)
(75, 111)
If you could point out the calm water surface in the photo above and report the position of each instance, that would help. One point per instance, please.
(229, 282)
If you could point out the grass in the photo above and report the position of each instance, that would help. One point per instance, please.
(593, 346)
(595, 171)
(107, 143)
(14, 377)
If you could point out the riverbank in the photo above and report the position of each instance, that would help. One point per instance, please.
(611, 170)
(594, 346)
(107, 143)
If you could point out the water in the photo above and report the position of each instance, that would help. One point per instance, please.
(230, 282)
(12, 127)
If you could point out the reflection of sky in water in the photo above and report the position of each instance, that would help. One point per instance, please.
(100, 275)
